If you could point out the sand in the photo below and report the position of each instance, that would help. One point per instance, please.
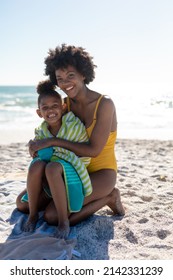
(145, 179)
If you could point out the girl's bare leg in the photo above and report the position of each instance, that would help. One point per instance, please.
(23, 206)
(34, 187)
(104, 193)
(54, 172)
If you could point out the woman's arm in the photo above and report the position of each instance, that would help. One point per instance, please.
(106, 122)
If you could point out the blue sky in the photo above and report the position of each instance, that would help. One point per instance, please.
(131, 40)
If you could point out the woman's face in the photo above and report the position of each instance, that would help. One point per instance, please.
(69, 80)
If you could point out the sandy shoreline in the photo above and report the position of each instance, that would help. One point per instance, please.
(145, 179)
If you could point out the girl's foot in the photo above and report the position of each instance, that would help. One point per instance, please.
(115, 203)
(30, 224)
(63, 230)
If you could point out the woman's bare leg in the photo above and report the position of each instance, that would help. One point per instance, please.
(115, 203)
(104, 193)
(54, 175)
(100, 197)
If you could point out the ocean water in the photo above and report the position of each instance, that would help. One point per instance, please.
(139, 117)
(17, 105)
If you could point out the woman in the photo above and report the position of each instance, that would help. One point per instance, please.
(71, 69)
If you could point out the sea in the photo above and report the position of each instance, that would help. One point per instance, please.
(139, 117)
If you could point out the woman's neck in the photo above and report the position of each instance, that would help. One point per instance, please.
(82, 97)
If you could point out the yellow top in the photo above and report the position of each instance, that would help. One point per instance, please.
(106, 159)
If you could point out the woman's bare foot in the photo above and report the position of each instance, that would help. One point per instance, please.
(63, 230)
(30, 224)
(115, 203)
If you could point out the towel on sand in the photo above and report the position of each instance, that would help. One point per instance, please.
(40, 245)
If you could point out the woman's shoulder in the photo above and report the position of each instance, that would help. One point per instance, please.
(105, 98)
(106, 102)
(106, 112)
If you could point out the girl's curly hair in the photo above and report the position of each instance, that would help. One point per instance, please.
(46, 88)
(63, 56)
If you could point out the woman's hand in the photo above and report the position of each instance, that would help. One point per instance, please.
(36, 145)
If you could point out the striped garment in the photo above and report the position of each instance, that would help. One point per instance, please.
(72, 129)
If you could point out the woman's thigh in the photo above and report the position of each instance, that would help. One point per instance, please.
(103, 182)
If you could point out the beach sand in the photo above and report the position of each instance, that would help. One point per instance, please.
(145, 180)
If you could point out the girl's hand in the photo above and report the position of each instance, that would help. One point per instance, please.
(36, 145)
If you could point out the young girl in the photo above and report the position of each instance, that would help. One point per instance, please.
(65, 173)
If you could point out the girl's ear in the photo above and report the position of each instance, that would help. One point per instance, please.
(39, 113)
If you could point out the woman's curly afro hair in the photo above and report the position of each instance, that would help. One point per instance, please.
(63, 56)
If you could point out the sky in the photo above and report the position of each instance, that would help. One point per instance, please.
(131, 41)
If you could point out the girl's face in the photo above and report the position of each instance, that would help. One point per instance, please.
(50, 109)
(69, 80)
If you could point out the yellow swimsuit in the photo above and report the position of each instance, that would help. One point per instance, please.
(106, 159)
